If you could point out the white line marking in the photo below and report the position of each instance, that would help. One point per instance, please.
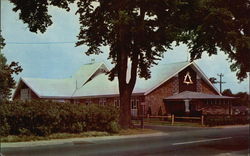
(207, 140)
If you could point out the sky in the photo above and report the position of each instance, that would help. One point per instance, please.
(54, 55)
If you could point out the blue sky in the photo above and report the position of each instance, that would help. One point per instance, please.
(62, 59)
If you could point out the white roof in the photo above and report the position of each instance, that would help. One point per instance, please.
(86, 71)
(99, 85)
(51, 87)
(159, 75)
(88, 82)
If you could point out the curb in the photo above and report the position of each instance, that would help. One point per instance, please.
(72, 140)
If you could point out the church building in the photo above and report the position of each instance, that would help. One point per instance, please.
(178, 88)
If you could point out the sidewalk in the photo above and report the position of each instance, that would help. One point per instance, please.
(72, 140)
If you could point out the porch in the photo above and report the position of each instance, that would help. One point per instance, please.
(189, 103)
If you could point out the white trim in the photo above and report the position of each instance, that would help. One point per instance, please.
(158, 85)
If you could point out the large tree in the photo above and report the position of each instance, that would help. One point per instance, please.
(222, 25)
(140, 31)
(7, 81)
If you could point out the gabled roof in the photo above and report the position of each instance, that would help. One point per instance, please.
(51, 87)
(99, 85)
(84, 74)
(61, 88)
(188, 95)
(90, 80)
(162, 73)
(159, 75)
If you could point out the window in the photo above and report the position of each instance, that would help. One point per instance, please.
(102, 101)
(134, 103)
(25, 94)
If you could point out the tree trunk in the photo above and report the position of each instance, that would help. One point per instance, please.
(125, 89)
(125, 110)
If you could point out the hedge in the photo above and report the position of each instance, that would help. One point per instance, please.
(216, 120)
(43, 118)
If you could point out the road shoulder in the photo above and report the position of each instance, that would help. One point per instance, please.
(72, 140)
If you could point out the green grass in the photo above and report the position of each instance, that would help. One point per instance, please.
(22, 138)
(168, 123)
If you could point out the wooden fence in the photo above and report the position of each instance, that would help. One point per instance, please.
(172, 118)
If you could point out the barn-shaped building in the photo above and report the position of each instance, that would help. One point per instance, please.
(176, 88)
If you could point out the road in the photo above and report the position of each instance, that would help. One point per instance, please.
(178, 141)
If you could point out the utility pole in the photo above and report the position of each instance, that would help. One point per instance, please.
(220, 82)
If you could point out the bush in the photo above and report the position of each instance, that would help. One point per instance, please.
(43, 118)
(216, 120)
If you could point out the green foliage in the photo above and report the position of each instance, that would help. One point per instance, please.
(7, 82)
(243, 99)
(227, 92)
(43, 118)
(217, 120)
(224, 25)
(4, 128)
(141, 31)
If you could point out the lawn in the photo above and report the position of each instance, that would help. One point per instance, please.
(22, 138)
(157, 121)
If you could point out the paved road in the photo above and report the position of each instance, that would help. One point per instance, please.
(179, 141)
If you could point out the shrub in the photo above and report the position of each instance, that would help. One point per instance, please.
(216, 120)
(43, 118)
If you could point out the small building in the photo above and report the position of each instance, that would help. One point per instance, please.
(177, 88)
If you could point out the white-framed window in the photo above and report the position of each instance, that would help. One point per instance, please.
(102, 101)
(25, 94)
(117, 102)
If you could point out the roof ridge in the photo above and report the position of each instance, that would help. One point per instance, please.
(176, 62)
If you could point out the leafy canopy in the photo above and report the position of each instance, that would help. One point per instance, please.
(152, 25)
(224, 25)
(7, 82)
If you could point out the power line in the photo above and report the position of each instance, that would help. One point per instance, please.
(69, 42)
